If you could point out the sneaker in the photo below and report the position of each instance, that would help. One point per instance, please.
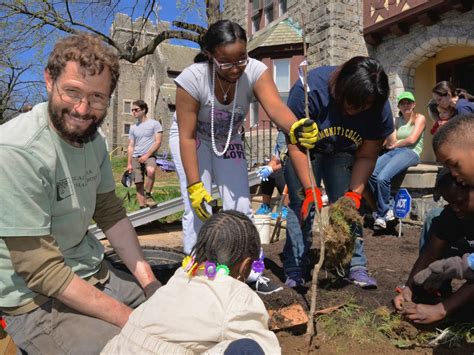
(150, 201)
(284, 213)
(294, 282)
(380, 223)
(389, 216)
(361, 278)
(265, 286)
(264, 209)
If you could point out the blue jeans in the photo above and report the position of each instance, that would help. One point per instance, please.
(387, 167)
(335, 170)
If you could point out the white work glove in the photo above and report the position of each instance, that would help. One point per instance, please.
(264, 172)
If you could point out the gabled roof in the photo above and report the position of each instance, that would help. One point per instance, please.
(177, 57)
(281, 33)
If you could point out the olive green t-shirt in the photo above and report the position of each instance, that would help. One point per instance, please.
(49, 187)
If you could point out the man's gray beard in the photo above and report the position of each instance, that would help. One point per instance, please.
(58, 122)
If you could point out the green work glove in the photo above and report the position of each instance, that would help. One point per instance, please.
(199, 197)
(455, 267)
(304, 132)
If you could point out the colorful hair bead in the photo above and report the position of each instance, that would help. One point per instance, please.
(222, 269)
(189, 265)
(210, 269)
(258, 266)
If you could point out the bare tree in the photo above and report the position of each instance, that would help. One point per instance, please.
(40, 18)
(29, 27)
(15, 90)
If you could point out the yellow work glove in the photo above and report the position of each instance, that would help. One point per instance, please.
(304, 132)
(199, 197)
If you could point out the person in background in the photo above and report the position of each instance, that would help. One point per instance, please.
(57, 293)
(206, 307)
(446, 95)
(350, 105)
(144, 139)
(213, 97)
(404, 148)
(272, 175)
(443, 116)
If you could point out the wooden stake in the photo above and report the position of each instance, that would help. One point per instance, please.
(317, 220)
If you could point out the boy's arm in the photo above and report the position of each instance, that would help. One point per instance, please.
(455, 267)
(433, 251)
(427, 314)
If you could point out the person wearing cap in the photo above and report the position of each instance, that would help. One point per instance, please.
(403, 146)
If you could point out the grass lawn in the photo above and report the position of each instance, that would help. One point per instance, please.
(166, 187)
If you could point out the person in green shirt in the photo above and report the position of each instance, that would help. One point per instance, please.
(57, 294)
(404, 147)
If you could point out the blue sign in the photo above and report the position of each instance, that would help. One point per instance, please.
(402, 203)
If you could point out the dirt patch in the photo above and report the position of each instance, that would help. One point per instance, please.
(389, 260)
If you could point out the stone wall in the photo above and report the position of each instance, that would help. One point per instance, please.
(333, 27)
(400, 56)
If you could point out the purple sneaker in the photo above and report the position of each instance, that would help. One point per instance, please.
(361, 278)
(294, 282)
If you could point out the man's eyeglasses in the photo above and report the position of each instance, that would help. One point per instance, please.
(75, 97)
(225, 66)
(136, 109)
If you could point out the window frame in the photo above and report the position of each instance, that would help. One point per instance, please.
(124, 133)
(124, 102)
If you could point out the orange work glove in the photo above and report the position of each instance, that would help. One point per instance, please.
(308, 202)
(354, 196)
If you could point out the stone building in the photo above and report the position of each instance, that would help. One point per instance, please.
(419, 42)
(149, 79)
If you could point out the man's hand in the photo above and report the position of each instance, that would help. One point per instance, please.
(424, 313)
(129, 168)
(199, 197)
(433, 276)
(355, 197)
(308, 202)
(264, 172)
(304, 132)
(404, 297)
(143, 158)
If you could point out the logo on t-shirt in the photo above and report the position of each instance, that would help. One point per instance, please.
(337, 139)
(63, 189)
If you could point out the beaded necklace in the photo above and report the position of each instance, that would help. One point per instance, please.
(229, 135)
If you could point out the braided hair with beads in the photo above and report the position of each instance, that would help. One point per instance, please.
(227, 238)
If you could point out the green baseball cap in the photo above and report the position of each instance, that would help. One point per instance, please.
(406, 95)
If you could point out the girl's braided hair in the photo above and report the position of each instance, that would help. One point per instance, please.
(227, 238)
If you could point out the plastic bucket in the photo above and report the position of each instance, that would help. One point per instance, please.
(262, 222)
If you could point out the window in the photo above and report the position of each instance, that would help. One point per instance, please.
(282, 8)
(255, 5)
(281, 76)
(268, 11)
(127, 107)
(126, 129)
(256, 22)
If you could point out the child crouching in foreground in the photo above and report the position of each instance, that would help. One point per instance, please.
(206, 306)
(450, 230)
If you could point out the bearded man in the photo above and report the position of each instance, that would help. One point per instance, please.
(57, 294)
